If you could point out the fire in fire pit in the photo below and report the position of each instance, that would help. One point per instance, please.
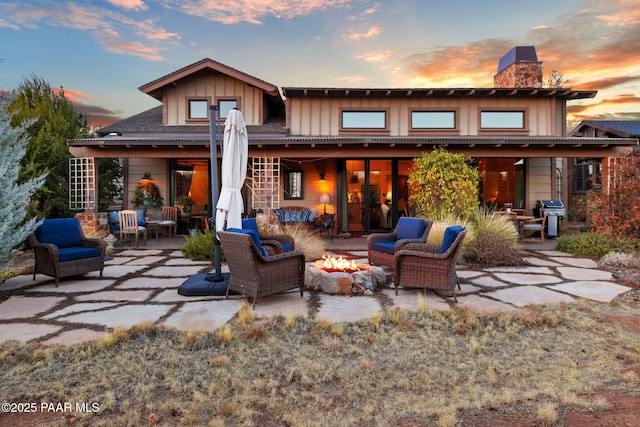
(331, 264)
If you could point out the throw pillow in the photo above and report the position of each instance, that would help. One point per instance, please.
(254, 236)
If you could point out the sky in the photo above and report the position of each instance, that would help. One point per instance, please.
(101, 52)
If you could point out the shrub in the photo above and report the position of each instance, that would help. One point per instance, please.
(443, 183)
(306, 240)
(595, 244)
(200, 246)
(495, 241)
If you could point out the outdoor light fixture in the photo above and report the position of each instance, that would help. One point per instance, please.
(146, 176)
(324, 199)
(354, 179)
(322, 178)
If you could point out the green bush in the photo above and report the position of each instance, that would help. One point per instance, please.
(595, 244)
(200, 247)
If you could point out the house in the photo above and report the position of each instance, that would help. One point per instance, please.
(352, 148)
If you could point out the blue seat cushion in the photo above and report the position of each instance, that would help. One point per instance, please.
(409, 228)
(62, 232)
(384, 247)
(250, 224)
(114, 221)
(72, 254)
(254, 236)
(141, 215)
(286, 247)
(450, 234)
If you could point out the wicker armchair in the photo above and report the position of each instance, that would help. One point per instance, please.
(381, 247)
(61, 249)
(422, 265)
(255, 274)
(274, 243)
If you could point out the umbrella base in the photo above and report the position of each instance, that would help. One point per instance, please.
(206, 284)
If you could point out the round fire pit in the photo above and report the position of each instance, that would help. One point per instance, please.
(356, 279)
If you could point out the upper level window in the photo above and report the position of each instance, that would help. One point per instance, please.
(425, 120)
(226, 105)
(372, 120)
(198, 109)
(502, 120)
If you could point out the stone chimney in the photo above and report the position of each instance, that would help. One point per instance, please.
(519, 68)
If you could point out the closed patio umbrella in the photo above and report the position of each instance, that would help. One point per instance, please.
(233, 172)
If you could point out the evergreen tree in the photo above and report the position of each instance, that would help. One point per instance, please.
(52, 121)
(15, 197)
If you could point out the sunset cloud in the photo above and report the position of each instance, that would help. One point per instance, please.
(108, 27)
(373, 32)
(236, 11)
(129, 4)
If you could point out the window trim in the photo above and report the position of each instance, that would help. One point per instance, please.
(365, 131)
(440, 131)
(506, 130)
(187, 113)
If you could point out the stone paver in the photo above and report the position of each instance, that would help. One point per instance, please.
(23, 281)
(579, 262)
(152, 283)
(528, 279)
(77, 308)
(127, 316)
(480, 303)
(26, 331)
(21, 307)
(183, 271)
(74, 286)
(286, 304)
(525, 295)
(347, 309)
(186, 261)
(75, 336)
(469, 274)
(575, 273)
(540, 262)
(171, 295)
(593, 290)
(488, 282)
(204, 315)
(521, 269)
(147, 260)
(412, 299)
(117, 271)
(136, 296)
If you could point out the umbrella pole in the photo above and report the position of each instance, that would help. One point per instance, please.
(213, 135)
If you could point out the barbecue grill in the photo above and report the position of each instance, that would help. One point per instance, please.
(554, 209)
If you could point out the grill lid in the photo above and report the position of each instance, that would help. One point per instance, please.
(551, 204)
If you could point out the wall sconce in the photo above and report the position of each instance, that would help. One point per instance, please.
(354, 179)
(322, 178)
(324, 199)
(146, 176)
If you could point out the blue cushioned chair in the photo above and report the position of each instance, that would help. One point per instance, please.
(423, 265)
(381, 247)
(274, 244)
(61, 249)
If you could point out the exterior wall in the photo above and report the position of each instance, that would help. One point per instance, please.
(321, 116)
(540, 177)
(159, 170)
(520, 74)
(213, 86)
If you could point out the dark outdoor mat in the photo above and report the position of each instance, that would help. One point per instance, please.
(203, 285)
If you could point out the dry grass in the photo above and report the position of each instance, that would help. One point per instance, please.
(426, 367)
(307, 240)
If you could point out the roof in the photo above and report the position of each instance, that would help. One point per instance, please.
(565, 93)
(154, 88)
(149, 122)
(615, 128)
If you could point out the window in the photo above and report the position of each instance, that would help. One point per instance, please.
(198, 109)
(226, 105)
(374, 120)
(585, 174)
(502, 120)
(293, 185)
(423, 120)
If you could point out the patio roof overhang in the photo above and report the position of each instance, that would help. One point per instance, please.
(350, 146)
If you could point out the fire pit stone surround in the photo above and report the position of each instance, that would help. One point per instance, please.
(364, 280)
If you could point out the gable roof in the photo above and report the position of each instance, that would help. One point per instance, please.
(155, 87)
(615, 128)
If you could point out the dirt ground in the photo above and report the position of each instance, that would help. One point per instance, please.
(624, 408)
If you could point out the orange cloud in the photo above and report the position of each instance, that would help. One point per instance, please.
(371, 33)
(606, 83)
(129, 4)
(71, 94)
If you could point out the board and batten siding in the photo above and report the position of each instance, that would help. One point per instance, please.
(321, 116)
(215, 86)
